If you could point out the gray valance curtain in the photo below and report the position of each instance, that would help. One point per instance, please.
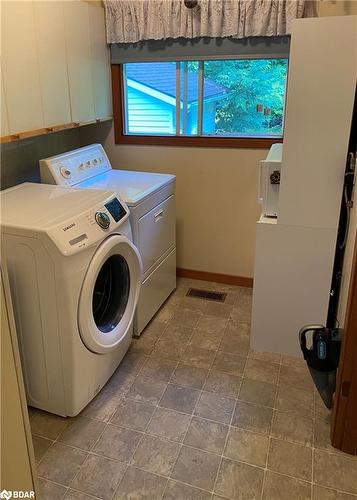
(130, 21)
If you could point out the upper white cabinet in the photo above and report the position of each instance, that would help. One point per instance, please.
(100, 62)
(55, 66)
(20, 67)
(76, 19)
(51, 48)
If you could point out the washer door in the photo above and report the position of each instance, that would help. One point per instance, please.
(109, 294)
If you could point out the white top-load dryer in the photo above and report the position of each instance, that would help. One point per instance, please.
(151, 200)
(75, 278)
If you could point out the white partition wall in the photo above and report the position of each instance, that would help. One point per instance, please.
(321, 90)
(295, 252)
(292, 278)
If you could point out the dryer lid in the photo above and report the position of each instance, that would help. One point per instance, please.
(132, 187)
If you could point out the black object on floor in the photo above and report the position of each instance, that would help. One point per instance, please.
(322, 358)
(206, 294)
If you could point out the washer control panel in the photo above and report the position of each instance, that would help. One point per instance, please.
(102, 219)
(116, 209)
(90, 227)
(75, 166)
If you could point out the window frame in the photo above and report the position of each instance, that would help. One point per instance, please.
(120, 137)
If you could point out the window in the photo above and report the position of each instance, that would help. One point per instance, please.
(228, 102)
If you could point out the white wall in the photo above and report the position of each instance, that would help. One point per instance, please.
(336, 8)
(216, 198)
(216, 190)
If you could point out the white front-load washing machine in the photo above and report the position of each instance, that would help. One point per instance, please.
(75, 278)
(151, 200)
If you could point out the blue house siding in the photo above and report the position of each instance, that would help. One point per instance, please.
(148, 115)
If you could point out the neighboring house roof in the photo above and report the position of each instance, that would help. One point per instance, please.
(161, 78)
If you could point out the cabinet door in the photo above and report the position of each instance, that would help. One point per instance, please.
(4, 120)
(79, 61)
(51, 48)
(20, 67)
(100, 63)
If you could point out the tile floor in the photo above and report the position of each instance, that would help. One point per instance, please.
(192, 414)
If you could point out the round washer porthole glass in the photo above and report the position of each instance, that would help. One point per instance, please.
(111, 293)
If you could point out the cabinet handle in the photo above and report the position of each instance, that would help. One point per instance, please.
(159, 215)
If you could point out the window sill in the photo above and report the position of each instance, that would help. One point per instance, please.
(199, 142)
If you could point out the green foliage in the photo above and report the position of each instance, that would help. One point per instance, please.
(255, 95)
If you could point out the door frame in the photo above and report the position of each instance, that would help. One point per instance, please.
(26, 473)
(344, 416)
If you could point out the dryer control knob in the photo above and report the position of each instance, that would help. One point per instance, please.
(65, 172)
(102, 220)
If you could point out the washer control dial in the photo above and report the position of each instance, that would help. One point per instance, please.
(102, 219)
(65, 172)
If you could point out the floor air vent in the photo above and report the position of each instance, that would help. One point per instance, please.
(206, 294)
